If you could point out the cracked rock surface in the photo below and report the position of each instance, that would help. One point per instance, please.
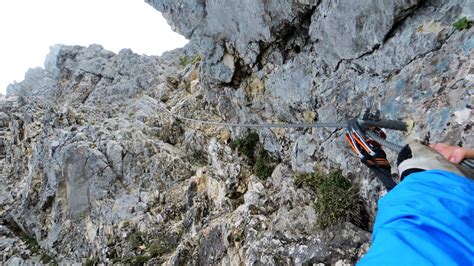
(94, 169)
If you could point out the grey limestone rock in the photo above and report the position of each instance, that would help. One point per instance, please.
(417, 36)
(290, 87)
(238, 30)
(342, 30)
(94, 169)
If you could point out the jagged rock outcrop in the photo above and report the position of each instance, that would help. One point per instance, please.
(95, 169)
(403, 57)
(99, 171)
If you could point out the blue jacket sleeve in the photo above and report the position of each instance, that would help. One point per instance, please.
(427, 219)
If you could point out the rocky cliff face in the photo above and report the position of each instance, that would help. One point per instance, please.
(95, 169)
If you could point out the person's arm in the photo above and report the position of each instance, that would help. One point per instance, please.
(454, 154)
(428, 218)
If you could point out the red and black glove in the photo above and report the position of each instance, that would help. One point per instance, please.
(378, 160)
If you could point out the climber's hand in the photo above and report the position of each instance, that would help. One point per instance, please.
(453, 153)
(417, 157)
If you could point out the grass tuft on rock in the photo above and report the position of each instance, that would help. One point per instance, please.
(337, 199)
(247, 145)
(264, 165)
(92, 261)
(136, 239)
(461, 24)
(141, 259)
(46, 259)
(262, 162)
(186, 60)
(144, 247)
(157, 249)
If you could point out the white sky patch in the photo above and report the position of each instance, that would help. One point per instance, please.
(29, 27)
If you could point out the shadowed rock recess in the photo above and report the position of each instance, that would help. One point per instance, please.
(94, 170)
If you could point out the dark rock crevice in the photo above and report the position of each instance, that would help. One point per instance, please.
(437, 48)
(400, 20)
(397, 24)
